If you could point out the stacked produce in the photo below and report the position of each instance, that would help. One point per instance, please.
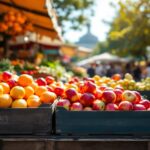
(23, 91)
(14, 23)
(128, 82)
(91, 95)
(88, 94)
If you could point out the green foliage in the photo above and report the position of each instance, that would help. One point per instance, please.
(53, 68)
(5, 65)
(73, 13)
(130, 30)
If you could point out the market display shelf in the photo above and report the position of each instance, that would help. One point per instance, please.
(102, 123)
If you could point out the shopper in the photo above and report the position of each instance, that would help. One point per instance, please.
(91, 70)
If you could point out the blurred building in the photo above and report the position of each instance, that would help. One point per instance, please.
(75, 51)
(88, 40)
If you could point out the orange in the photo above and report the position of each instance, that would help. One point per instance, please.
(33, 101)
(25, 80)
(1, 90)
(48, 97)
(17, 92)
(6, 87)
(40, 90)
(19, 103)
(28, 91)
(34, 85)
(5, 101)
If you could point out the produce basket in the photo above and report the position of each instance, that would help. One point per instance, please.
(127, 123)
(30, 121)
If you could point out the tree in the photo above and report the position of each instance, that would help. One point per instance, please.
(73, 14)
(130, 29)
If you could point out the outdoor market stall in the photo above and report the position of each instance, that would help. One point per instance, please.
(80, 113)
(41, 18)
(104, 57)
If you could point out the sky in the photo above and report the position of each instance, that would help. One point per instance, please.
(103, 11)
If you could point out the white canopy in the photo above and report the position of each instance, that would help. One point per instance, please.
(105, 57)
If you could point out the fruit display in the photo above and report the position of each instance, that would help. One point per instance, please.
(90, 95)
(128, 82)
(14, 23)
(23, 91)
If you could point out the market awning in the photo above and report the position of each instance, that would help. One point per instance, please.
(104, 57)
(39, 12)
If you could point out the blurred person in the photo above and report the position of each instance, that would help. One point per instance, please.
(91, 70)
(118, 69)
(148, 70)
(128, 68)
(111, 71)
(137, 72)
(99, 69)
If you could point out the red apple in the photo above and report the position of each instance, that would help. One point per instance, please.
(64, 103)
(108, 89)
(138, 97)
(139, 107)
(87, 109)
(12, 83)
(125, 105)
(119, 87)
(118, 93)
(76, 79)
(71, 81)
(129, 96)
(108, 96)
(98, 105)
(6, 76)
(87, 99)
(98, 94)
(49, 80)
(89, 87)
(81, 87)
(145, 103)
(72, 95)
(59, 91)
(41, 82)
(76, 106)
(111, 107)
(103, 87)
(50, 89)
(88, 79)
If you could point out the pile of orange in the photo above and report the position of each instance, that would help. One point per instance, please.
(15, 23)
(22, 92)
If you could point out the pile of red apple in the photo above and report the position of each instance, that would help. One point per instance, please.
(77, 95)
(86, 95)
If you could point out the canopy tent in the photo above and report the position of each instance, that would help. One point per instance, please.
(105, 57)
(39, 12)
